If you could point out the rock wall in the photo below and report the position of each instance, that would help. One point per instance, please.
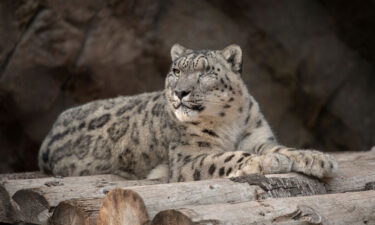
(309, 63)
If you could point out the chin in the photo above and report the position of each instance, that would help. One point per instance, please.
(184, 114)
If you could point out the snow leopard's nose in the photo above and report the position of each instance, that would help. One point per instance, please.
(181, 93)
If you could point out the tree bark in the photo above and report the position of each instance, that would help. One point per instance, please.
(338, 209)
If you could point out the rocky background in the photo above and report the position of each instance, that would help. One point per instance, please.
(310, 64)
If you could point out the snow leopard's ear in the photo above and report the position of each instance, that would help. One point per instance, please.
(233, 55)
(176, 51)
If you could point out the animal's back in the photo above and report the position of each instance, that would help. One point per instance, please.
(100, 136)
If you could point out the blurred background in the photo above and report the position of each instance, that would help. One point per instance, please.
(310, 64)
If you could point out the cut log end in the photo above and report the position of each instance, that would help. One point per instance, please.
(32, 206)
(67, 213)
(123, 207)
(171, 217)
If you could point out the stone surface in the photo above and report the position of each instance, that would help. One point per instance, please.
(310, 64)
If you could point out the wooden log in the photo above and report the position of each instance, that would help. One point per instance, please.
(240, 189)
(36, 205)
(338, 209)
(25, 175)
(356, 172)
(12, 183)
(123, 207)
(174, 195)
(12, 186)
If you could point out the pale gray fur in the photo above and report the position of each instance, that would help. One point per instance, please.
(205, 124)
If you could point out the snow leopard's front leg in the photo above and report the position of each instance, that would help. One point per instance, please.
(261, 141)
(199, 161)
(309, 162)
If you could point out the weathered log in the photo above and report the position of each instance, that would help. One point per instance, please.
(123, 207)
(356, 172)
(25, 175)
(174, 195)
(13, 183)
(36, 205)
(338, 209)
(12, 186)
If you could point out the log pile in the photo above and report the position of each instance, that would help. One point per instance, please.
(346, 198)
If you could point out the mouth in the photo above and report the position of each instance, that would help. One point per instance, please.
(192, 107)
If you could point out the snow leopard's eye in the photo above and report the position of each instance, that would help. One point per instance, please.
(176, 72)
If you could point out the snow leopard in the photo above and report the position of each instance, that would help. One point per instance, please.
(205, 124)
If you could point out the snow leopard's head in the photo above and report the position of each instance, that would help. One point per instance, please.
(204, 83)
